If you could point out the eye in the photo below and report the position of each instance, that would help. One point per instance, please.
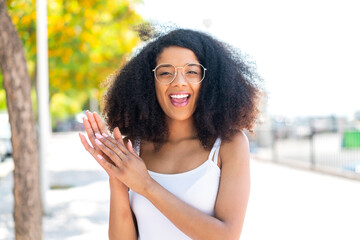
(164, 73)
(192, 69)
(192, 72)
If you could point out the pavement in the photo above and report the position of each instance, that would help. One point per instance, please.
(285, 203)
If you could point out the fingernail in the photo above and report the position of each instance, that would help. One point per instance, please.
(130, 143)
(98, 142)
(105, 135)
(100, 157)
(98, 135)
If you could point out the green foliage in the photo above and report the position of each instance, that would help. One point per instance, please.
(2, 99)
(23, 15)
(2, 94)
(62, 105)
(87, 41)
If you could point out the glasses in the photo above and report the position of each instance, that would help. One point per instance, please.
(192, 72)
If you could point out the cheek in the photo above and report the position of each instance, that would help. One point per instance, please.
(160, 93)
(196, 90)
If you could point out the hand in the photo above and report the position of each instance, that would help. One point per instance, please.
(93, 124)
(125, 164)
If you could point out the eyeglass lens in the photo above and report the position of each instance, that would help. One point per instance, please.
(166, 73)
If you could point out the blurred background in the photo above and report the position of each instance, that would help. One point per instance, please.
(87, 41)
(307, 52)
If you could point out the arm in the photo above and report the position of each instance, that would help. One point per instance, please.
(121, 222)
(232, 198)
(231, 202)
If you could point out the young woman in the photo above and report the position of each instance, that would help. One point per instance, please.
(182, 171)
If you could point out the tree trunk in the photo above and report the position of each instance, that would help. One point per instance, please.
(16, 80)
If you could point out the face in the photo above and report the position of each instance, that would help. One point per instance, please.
(178, 98)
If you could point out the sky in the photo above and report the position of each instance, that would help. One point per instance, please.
(307, 52)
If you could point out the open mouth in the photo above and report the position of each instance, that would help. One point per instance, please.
(179, 100)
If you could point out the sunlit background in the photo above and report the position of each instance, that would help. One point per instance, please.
(307, 53)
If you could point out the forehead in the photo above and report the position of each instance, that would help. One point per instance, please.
(177, 56)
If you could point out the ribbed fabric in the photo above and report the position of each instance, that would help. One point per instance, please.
(197, 187)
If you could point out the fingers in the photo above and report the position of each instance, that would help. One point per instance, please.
(86, 145)
(118, 136)
(112, 143)
(130, 147)
(92, 150)
(99, 123)
(90, 133)
(110, 168)
(97, 126)
(113, 149)
(92, 122)
(93, 125)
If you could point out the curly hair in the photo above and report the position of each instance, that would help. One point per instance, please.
(227, 101)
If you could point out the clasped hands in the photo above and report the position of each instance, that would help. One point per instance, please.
(118, 159)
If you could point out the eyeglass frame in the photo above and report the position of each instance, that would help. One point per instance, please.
(176, 68)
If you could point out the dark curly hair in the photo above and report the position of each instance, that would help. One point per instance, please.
(227, 101)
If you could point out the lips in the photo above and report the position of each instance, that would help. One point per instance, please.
(179, 99)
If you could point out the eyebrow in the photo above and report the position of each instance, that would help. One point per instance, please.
(168, 64)
(165, 65)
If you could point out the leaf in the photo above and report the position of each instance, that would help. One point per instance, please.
(86, 42)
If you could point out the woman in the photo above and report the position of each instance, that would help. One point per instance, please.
(182, 171)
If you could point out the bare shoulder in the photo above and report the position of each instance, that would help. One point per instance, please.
(236, 150)
(234, 186)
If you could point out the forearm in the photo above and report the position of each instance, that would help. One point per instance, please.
(121, 222)
(191, 221)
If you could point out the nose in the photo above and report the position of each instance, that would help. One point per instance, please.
(179, 78)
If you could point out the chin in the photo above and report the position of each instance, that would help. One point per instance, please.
(179, 117)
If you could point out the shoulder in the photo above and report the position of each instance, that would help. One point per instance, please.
(234, 188)
(236, 150)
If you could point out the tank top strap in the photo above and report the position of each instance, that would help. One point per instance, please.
(137, 146)
(214, 153)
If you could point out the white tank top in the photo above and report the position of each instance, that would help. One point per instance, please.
(197, 187)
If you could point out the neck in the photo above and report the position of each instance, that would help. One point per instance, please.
(181, 129)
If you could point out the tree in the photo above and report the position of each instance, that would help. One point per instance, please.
(16, 81)
(87, 42)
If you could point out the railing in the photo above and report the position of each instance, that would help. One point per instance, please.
(332, 148)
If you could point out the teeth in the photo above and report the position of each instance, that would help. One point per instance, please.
(179, 96)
